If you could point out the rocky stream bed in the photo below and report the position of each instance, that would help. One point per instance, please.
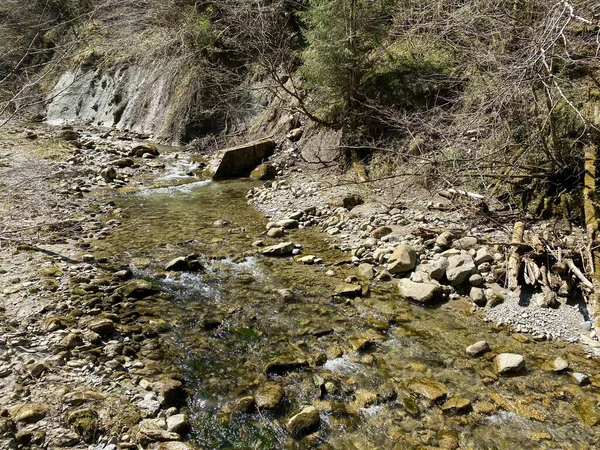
(144, 307)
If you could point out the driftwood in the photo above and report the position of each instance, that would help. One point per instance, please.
(514, 260)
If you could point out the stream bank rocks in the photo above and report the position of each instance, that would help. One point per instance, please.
(429, 252)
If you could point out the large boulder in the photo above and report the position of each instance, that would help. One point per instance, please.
(460, 268)
(403, 259)
(241, 160)
(419, 292)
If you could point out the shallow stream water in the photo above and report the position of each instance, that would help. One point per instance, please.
(230, 320)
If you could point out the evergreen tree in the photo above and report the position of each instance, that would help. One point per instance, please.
(341, 35)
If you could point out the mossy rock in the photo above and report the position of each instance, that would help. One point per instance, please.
(139, 289)
(85, 422)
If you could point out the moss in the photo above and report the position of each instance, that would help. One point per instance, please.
(119, 413)
(86, 423)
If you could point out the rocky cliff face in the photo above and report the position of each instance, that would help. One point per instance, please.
(135, 98)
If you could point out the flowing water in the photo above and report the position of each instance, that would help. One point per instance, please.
(230, 320)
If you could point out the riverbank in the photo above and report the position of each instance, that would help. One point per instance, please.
(82, 350)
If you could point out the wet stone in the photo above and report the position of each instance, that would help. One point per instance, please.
(178, 423)
(419, 292)
(304, 422)
(580, 378)
(429, 389)
(283, 248)
(478, 348)
(269, 395)
(349, 290)
(509, 363)
(281, 366)
(457, 405)
(139, 289)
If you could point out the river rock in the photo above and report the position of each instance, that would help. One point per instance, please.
(465, 243)
(123, 162)
(139, 289)
(178, 423)
(264, 172)
(560, 365)
(419, 292)
(69, 135)
(295, 134)
(444, 239)
(140, 150)
(366, 271)
(483, 256)
(102, 326)
(283, 248)
(457, 405)
(349, 290)
(429, 389)
(478, 348)
(170, 392)
(478, 296)
(308, 259)
(269, 395)
(580, 378)
(275, 232)
(403, 259)
(434, 269)
(380, 232)
(109, 173)
(172, 445)
(460, 268)
(304, 422)
(507, 363)
(280, 366)
(179, 264)
(28, 412)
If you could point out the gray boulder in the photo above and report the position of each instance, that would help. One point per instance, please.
(460, 268)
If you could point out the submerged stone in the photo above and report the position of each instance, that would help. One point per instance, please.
(457, 405)
(429, 389)
(269, 395)
(139, 289)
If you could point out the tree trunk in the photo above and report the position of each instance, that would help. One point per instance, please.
(591, 224)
